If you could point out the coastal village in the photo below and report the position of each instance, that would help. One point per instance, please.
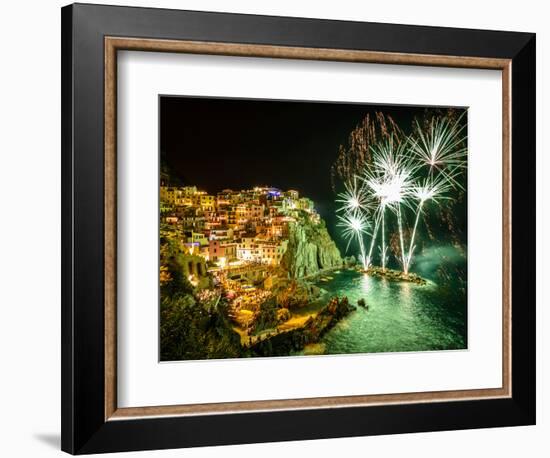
(248, 266)
(255, 251)
(242, 233)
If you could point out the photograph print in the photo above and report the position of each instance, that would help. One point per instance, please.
(301, 228)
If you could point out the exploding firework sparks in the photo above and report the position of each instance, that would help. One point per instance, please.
(355, 225)
(391, 178)
(430, 189)
(354, 198)
(391, 181)
(442, 147)
(394, 181)
(390, 158)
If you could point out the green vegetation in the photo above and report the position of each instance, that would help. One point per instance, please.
(315, 327)
(190, 331)
(209, 315)
(192, 325)
(195, 323)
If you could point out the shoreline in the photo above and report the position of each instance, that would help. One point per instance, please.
(321, 272)
(296, 333)
(287, 341)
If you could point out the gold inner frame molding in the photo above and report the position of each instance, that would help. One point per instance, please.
(114, 44)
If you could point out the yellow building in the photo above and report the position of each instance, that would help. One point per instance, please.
(187, 196)
(261, 251)
(176, 196)
(204, 201)
(247, 249)
(248, 212)
(293, 194)
(271, 252)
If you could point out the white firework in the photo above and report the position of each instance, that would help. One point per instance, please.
(442, 147)
(403, 175)
(391, 181)
(354, 198)
(391, 177)
(355, 225)
(430, 189)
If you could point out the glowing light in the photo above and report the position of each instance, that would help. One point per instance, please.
(391, 158)
(423, 193)
(429, 189)
(354, 198)
(355, 225)
(403, 175)
(442, 146)
(390, 179)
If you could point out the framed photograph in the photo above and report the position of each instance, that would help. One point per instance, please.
(282, 228)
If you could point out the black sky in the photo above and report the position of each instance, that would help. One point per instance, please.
(218, 143)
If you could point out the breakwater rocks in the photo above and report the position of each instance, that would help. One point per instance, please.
(395, 275)
(284, 343)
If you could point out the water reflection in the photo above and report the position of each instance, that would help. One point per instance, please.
(365, 282)
(400, 316)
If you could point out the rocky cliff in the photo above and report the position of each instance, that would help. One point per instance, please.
(310, 248)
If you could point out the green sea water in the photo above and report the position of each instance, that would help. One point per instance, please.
(400, 317)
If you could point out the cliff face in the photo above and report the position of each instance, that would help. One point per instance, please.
(310, 248)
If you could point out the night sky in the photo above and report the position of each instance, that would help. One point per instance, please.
(217, 144)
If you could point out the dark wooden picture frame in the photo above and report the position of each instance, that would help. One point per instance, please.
(91, 37)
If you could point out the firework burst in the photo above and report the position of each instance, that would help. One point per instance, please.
(391, 181)
(403, 176)
(441, 147)
(355, 225)
(429, 189)
(354, 198)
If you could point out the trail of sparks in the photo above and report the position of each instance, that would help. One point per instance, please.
(355, 225)
(354, 198)
(442, 148)
(395, 180)
(373, 237)
(429, 189)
